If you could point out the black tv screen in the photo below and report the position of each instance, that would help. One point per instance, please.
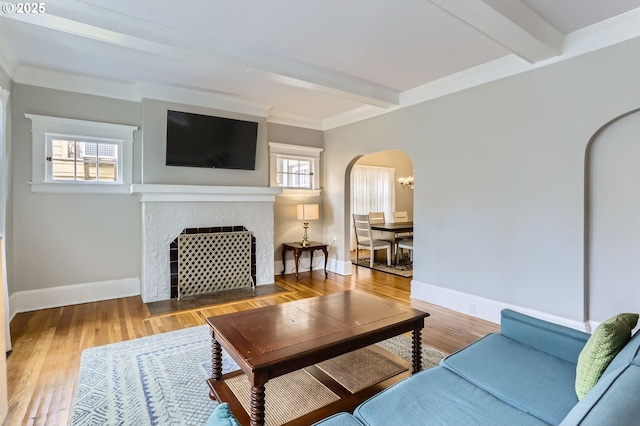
(195, 140)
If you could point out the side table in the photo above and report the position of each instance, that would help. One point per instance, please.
(299, 249)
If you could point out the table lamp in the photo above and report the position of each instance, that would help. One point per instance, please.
(307, 212)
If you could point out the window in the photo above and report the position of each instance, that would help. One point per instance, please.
(372, 190)
(82, 161)
(294, 173)
(295, 168)
(80, 156)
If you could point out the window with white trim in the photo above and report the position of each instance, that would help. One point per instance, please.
(295, 167)
(80, 156)
(82, 160)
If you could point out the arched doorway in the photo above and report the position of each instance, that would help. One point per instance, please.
(371, 184)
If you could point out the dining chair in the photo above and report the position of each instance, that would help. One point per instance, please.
(376, 218)
(406, 243)
(400, 216)
(365, 240)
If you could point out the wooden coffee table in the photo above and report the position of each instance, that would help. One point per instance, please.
(274, 340)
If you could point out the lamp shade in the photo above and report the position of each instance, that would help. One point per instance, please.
(308, 212)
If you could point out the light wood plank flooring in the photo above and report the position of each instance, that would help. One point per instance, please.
(47, 344)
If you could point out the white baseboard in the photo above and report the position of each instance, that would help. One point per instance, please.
(339, 267)
(32, 300)
(482, 307)
(303, 266)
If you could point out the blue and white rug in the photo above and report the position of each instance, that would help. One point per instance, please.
(161, 379)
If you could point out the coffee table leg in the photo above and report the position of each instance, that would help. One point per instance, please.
(417, 350)
(216, 359)
(257, 405)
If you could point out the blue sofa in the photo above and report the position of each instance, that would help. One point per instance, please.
(525, 375)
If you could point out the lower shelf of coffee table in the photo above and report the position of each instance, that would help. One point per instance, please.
(220, 391)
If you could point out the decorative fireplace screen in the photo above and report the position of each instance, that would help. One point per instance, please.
(212, 262)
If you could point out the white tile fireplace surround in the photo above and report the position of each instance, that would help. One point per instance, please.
(168, 209)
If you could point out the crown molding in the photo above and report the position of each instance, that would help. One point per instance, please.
(603, 34)
(201, 98)
(277, 117)
(59, 80)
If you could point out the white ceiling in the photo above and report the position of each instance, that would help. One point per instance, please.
(315, 63)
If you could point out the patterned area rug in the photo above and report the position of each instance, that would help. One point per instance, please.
(161, 379)
(404, 268)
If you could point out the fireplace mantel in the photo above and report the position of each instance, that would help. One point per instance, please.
(159, 192)
(166, 210)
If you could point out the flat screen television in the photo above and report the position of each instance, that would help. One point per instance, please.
(195, 140)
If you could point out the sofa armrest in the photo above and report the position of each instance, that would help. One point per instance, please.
(557, 340)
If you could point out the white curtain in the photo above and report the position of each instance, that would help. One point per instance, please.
(372, 190)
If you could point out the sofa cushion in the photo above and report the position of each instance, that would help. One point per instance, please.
(557, 340)
(530, 380)
(340, 419)
(601, 348)
(612, 401)
(439, 397)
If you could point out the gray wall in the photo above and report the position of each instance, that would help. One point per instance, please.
(614, 224)
(63, 239)
(155, 170)
(499, 169)
(287, 228)
(5, 177)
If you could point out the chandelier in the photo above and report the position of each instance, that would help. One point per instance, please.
(406, 182)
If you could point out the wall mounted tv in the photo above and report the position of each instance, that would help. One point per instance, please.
(195, 140)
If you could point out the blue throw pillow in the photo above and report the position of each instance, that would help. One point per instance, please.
(222, 416)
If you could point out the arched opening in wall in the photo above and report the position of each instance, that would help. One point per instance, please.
(612, 219)
(379, 188)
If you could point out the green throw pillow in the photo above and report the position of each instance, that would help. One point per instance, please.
(604, 344)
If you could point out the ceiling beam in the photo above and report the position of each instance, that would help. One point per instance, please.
(85, 20)
(511, 23)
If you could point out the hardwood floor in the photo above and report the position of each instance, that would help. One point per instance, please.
(47, 344)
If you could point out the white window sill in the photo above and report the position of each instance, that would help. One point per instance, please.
(296, 192)
(79, 188)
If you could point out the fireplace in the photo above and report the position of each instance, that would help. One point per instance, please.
(168, 210)
(212, 259)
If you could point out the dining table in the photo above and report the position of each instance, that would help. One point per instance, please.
(395, 227)
(390, 231)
